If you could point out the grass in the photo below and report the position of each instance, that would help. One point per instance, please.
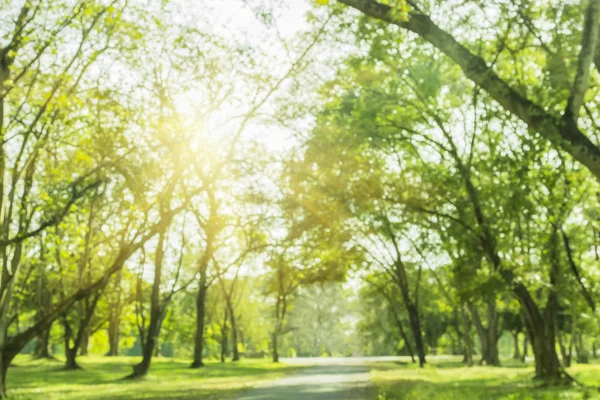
(168, 379)
(446, 378)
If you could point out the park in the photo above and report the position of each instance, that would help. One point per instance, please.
(299, 199)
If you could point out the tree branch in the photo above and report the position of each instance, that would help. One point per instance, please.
(585, 292)
(561, 132)
(589, 44)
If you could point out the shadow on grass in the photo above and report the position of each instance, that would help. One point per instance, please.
(102, 379)
(449, 379)
(480, 389)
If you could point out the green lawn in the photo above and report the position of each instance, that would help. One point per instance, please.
(447, 378)
(168, 379)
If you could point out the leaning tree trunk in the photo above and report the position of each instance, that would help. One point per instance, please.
(200, 316)
(6, 358)
(156, 312)
(402, 332)
(415, 326)
(140, 370)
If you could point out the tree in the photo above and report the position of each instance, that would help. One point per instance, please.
(562, 131)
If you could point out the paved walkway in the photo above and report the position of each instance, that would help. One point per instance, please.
(324, 381)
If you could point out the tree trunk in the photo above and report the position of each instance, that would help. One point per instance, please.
(493, 357)
(211, 232)
(468, 347)
(85, 341)
(594, 350)
(71, 356)
(565, 356)
(481, 332)
(156, 312)
(415, 326)
(516, 350)
(113, 335)
(42, 345)
(157, 346)
(43, 299)
(114, 320)
(5, 360)
(3, 370)
(525, 348)
(582, 353)
(234, 339)
(274, 339)
(200, 315)
(142, 369)
(402, 332)
(547, 366)
(224, 339)
(487, 336)
(70, 350)
(542, 336)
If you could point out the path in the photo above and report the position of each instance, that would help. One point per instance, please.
(323, 379)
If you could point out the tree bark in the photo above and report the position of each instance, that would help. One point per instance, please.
(42, 344)
(85, 342)
(114, 320)
(113, 335)
(140, 370)
(582, 353)
(468, 347)
(525, 348)
(224, 336)
(516, 350)
(6, 357)
(565, 355)
(400, 327)
(274, 340)
(412, 308)
(156, 311)
(71, 356)
(542, 336)
(415, 326)
(200, 316)
(234, 334)
(488, 336)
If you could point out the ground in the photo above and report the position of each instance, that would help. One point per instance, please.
(446, 378)
(326, 380)
(168, 379)
(387, 378)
